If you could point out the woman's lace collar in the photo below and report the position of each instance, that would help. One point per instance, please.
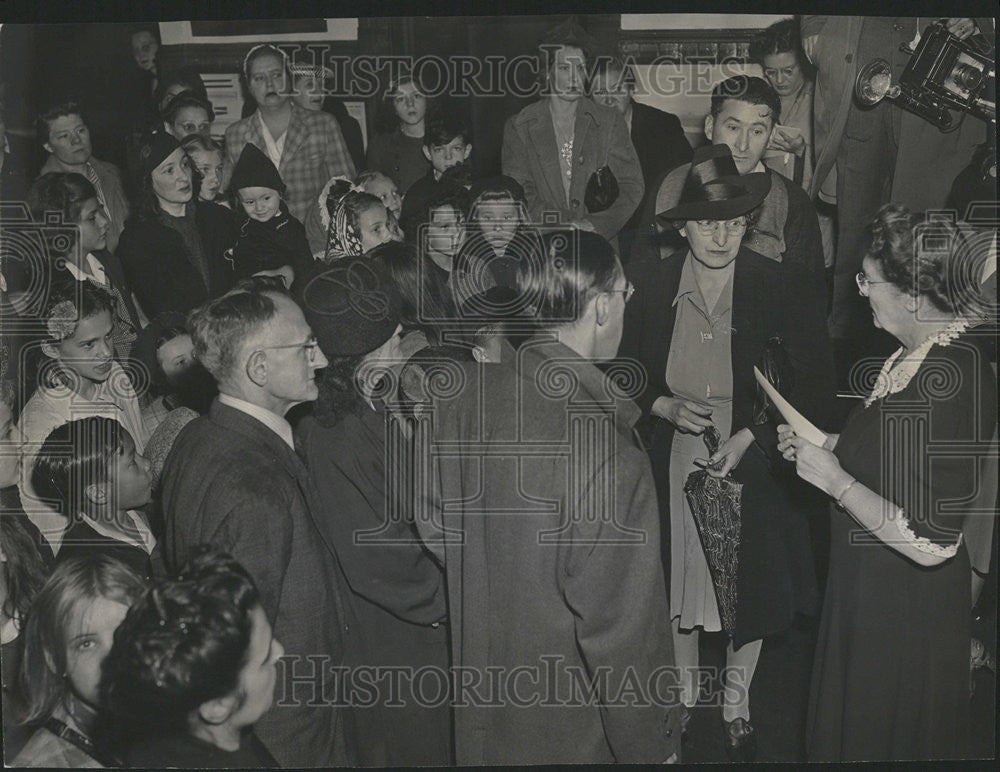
(895, 377)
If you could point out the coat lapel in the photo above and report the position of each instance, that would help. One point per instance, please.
(296, 136)
(543, 142)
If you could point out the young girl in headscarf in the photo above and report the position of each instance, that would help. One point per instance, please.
(355, 222)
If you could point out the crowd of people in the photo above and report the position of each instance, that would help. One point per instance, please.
(315, 456)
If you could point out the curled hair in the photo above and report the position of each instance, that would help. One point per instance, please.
(749, 89)
(62, 192)
(45, 119)
(73, 457)
(782, 37)
(930, 259)
(339, 392)
(423, 302)
(220, 328)
(386, 118)
(574, 267)
(184, 99)
(181, 645)
(74, 584)
(23, 568)
(195, 142)
(70, 305)
(185, 76)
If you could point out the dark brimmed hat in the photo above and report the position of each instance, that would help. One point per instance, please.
(353, 308)
(255, 170)
(153, 150)
(709, 188)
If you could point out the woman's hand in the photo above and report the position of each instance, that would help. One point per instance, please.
(729, 455)
(813, 464)
(962, 28)
(689, 417)
(583, 225)
(787, 144)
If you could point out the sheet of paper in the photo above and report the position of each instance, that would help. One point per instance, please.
(799, 423)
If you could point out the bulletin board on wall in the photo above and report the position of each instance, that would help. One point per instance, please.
(679, 57)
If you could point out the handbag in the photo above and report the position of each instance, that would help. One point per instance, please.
(602, 188)
(776, 366)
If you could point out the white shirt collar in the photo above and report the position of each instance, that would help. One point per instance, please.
(148, 540)
(96, 269)
(759, 167)
(272, 421)
(274, 147)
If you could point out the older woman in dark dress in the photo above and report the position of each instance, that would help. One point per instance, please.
(891, 675)
(700, 321)
(355, 449)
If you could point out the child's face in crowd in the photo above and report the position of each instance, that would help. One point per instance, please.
(172, 178)
(385, 190)
(261, 204)
(373, 228)
(129, 480)
(259, 674)
(144, 50)
(410, 104)
(209, 165)
(190, 120)
(266, 77)
(308, 92)
(90, 635)
(443, 157)
(93, 227)
(445, 231)
(745, 128)
(498, 221)
(88, 352)
(69, 140)
(175, 356)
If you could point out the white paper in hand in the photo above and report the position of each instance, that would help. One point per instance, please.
(801, 425)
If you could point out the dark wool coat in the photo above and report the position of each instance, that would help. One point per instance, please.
(776, 577)
(231, 481)
(161, 272)
(265, 246)
(553, 566)
(395, 593)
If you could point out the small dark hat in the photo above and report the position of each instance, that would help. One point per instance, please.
(187, 98)
(352, 308)
(709, 188)
(255, 170)
(153, 150)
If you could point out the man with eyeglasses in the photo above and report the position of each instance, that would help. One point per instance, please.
(233, 479)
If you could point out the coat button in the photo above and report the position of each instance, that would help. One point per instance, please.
(575, 203)
(849, 58)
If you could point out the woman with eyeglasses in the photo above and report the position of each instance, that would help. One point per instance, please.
(701, 319)
(891, 675)
(306, 146)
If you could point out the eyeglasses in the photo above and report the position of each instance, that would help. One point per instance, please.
(864, 282)
(707, 227)
(626, 293)
(311, 346)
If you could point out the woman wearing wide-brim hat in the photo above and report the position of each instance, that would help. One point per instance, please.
(356, 451)
(700, 320)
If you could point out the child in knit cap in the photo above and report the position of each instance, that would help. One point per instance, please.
(270, 242)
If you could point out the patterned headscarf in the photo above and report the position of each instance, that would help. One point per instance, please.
(342, 240)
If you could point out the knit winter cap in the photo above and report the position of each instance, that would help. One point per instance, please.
(255, 170)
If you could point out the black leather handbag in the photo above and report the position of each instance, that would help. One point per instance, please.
(602, 189)
(776, 366)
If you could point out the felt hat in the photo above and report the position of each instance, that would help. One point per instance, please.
(255, 170)
(709, 188)
(353, 308)
(154, 149)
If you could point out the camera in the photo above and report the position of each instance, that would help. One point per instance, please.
(943, 74)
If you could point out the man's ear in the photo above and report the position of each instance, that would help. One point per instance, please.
(166, 128)
(709, 126)
(257, 368)
(97, 493)
(48, 148)
(218, 711)
(50, 350)
(426, 152)
(468, 151)
(479, 354)
(602, 309)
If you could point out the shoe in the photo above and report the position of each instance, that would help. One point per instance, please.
(741, 741)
